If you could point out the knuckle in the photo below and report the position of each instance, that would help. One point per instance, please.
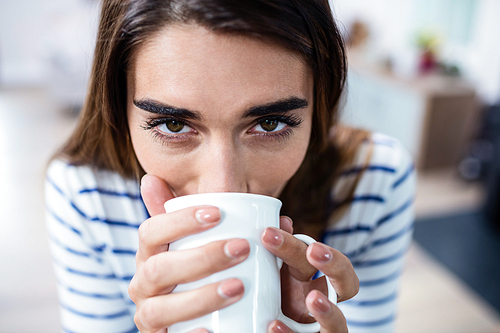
(344, 265)
(207, 256)
(151, 271)
(138, 322)
(355, 289)
(345, 277)
(138, 258)
(149, 316)
(132, 290)
(343, 323)
(144, 230)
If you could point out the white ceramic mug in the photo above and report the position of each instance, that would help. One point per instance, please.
(245, 216)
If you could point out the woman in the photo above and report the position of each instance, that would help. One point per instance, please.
(192, 96)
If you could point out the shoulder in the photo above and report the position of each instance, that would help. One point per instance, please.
(96, 204)
(94, 195)
(74, 180)
(380, 153)
(390, 152)
(379, 184)
(380, 159)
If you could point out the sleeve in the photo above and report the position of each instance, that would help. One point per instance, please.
(89, 293)
(375, 234)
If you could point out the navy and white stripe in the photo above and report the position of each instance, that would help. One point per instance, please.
(93, 218)
(375, 234)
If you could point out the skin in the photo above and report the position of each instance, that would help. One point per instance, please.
(221, 145)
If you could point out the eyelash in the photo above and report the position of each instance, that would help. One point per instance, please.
(153, 123)
(292, 121)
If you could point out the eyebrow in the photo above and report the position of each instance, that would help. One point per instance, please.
(278, 107)
(166, 110)
(281, 106)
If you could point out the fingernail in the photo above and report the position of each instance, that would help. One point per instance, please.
(144, 177)
(286, 223)
(273, 237)
(279, 328)
(230, 288)
(321, 252)
(207, 215)
(237, 248)
(320, 304)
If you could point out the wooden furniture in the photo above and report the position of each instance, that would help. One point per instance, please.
(433, 116)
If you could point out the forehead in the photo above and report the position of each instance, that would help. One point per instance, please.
(187, 64)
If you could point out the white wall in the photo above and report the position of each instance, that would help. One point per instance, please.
(47, 42)
(389, 22)
(481, 60)
(394, 24)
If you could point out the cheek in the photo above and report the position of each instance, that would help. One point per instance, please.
(146, 150)
(155, 159)
(271, 172)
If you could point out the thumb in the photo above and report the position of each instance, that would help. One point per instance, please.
(155, 192)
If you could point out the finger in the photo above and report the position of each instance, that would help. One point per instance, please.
(286, 224)
(326, 314)
(337, 267)
(162, 311)
(155, 276)
(200, 330)
(277, 326)
(158, 231)
(291, 250)
(155, 192)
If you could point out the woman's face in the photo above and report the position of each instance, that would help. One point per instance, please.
(219, 113)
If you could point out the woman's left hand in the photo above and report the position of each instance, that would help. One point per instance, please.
(302, 296)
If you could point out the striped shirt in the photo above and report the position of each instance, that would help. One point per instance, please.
(93, 217)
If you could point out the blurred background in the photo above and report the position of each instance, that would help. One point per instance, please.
(424, 71)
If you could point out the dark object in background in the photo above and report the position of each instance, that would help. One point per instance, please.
(479, 157)
(492, 177)
(482, 162)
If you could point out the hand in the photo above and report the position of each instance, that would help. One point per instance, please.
(300, 295)
(159, 271)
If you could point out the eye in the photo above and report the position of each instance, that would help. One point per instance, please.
(174, 127)
(270, 125)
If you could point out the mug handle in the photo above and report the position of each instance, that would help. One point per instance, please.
(332, 297)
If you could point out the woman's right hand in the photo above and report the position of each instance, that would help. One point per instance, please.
(159, 271)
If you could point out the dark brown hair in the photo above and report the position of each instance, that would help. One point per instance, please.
(305, 27)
